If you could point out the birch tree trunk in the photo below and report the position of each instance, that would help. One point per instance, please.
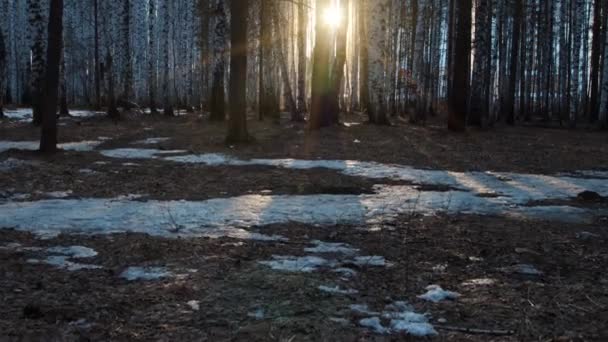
(37, 21)
(217, 101)
(376, 10)
(3, 71)
(302, 29)
(152, 79)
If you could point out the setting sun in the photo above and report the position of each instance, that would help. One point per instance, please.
(332, 16)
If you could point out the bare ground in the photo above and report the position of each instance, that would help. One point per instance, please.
(568, 302)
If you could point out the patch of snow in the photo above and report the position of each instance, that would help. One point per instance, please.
(402, 320)
(479, 282)
(297, 264)
(195, 305)
(436, 294)
(25, 114)
(80, 146)
(138, 153)
(101, 162)
(130, 164)
(59, 194)
(374, 324)
(151, 141)
(363, 309)
(418, 329)
(346, 272)
(145, 273)
(371, 260)
(73, 251)
(337, 290)
(329, 247)
(87, 171)
(257, 314)
(62, 262)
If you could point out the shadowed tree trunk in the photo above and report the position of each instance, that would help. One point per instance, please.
(217, 101)
(48, 137)
(152, 56)
(510, 98)
(113, 112)
(3, 72)
(96, 57)
(376, 40)
(237, 126)
(457, 103)
(320, 72)
(337, 74)
(302, 26)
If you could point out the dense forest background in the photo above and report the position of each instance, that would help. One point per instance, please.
(480, 61)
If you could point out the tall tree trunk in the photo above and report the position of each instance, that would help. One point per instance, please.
(152, 79)
(457, 106)
(510, 100)
(320, 72)
(478, 108)
(237, 127)
(127, 82)
(3, 71)
(595, 61)
(603, 109)
(337, 74)
(97, 60)
(63, 98)
(364, 58)
(377, 53)
(217, 101)
(302, 30)
(167, 103)
(37, 16)
(48, 137)
(291, 102)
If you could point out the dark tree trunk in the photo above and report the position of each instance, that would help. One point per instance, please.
(593, 104)
(338, 71)
(113, 112)
(515, 39)
(97, 62)
(320, 73)
(459, 94)
(48, 137)
(3, 72)
(237, 126)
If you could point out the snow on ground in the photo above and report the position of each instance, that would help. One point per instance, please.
(138, 153)
(145, 273)
(297, 264)
(151, 141)
(80, 146)
(25, 114)
(337, 290)
(400, 316)
(436, 294)
(328, 247)
(59, 257)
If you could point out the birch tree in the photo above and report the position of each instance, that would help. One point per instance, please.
(377, 108)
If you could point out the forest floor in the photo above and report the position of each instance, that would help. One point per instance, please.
(516, 279)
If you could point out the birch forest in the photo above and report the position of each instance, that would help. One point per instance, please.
(481, 62)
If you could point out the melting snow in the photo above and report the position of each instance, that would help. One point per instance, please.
(436, 294)
(402, 320)
(479, 282)
(328, 247)
(59, 257)
(257, 314)
(297, 264)
(59, 194)
(80, 146)
(151, 141)
(337, 290)
(25, 114)
(374, 260)
(194, 305)
(145, 273)
(138, 153)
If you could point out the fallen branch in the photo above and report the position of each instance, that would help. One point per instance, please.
(476, 331)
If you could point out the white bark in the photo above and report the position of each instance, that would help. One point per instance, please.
(377, 12)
